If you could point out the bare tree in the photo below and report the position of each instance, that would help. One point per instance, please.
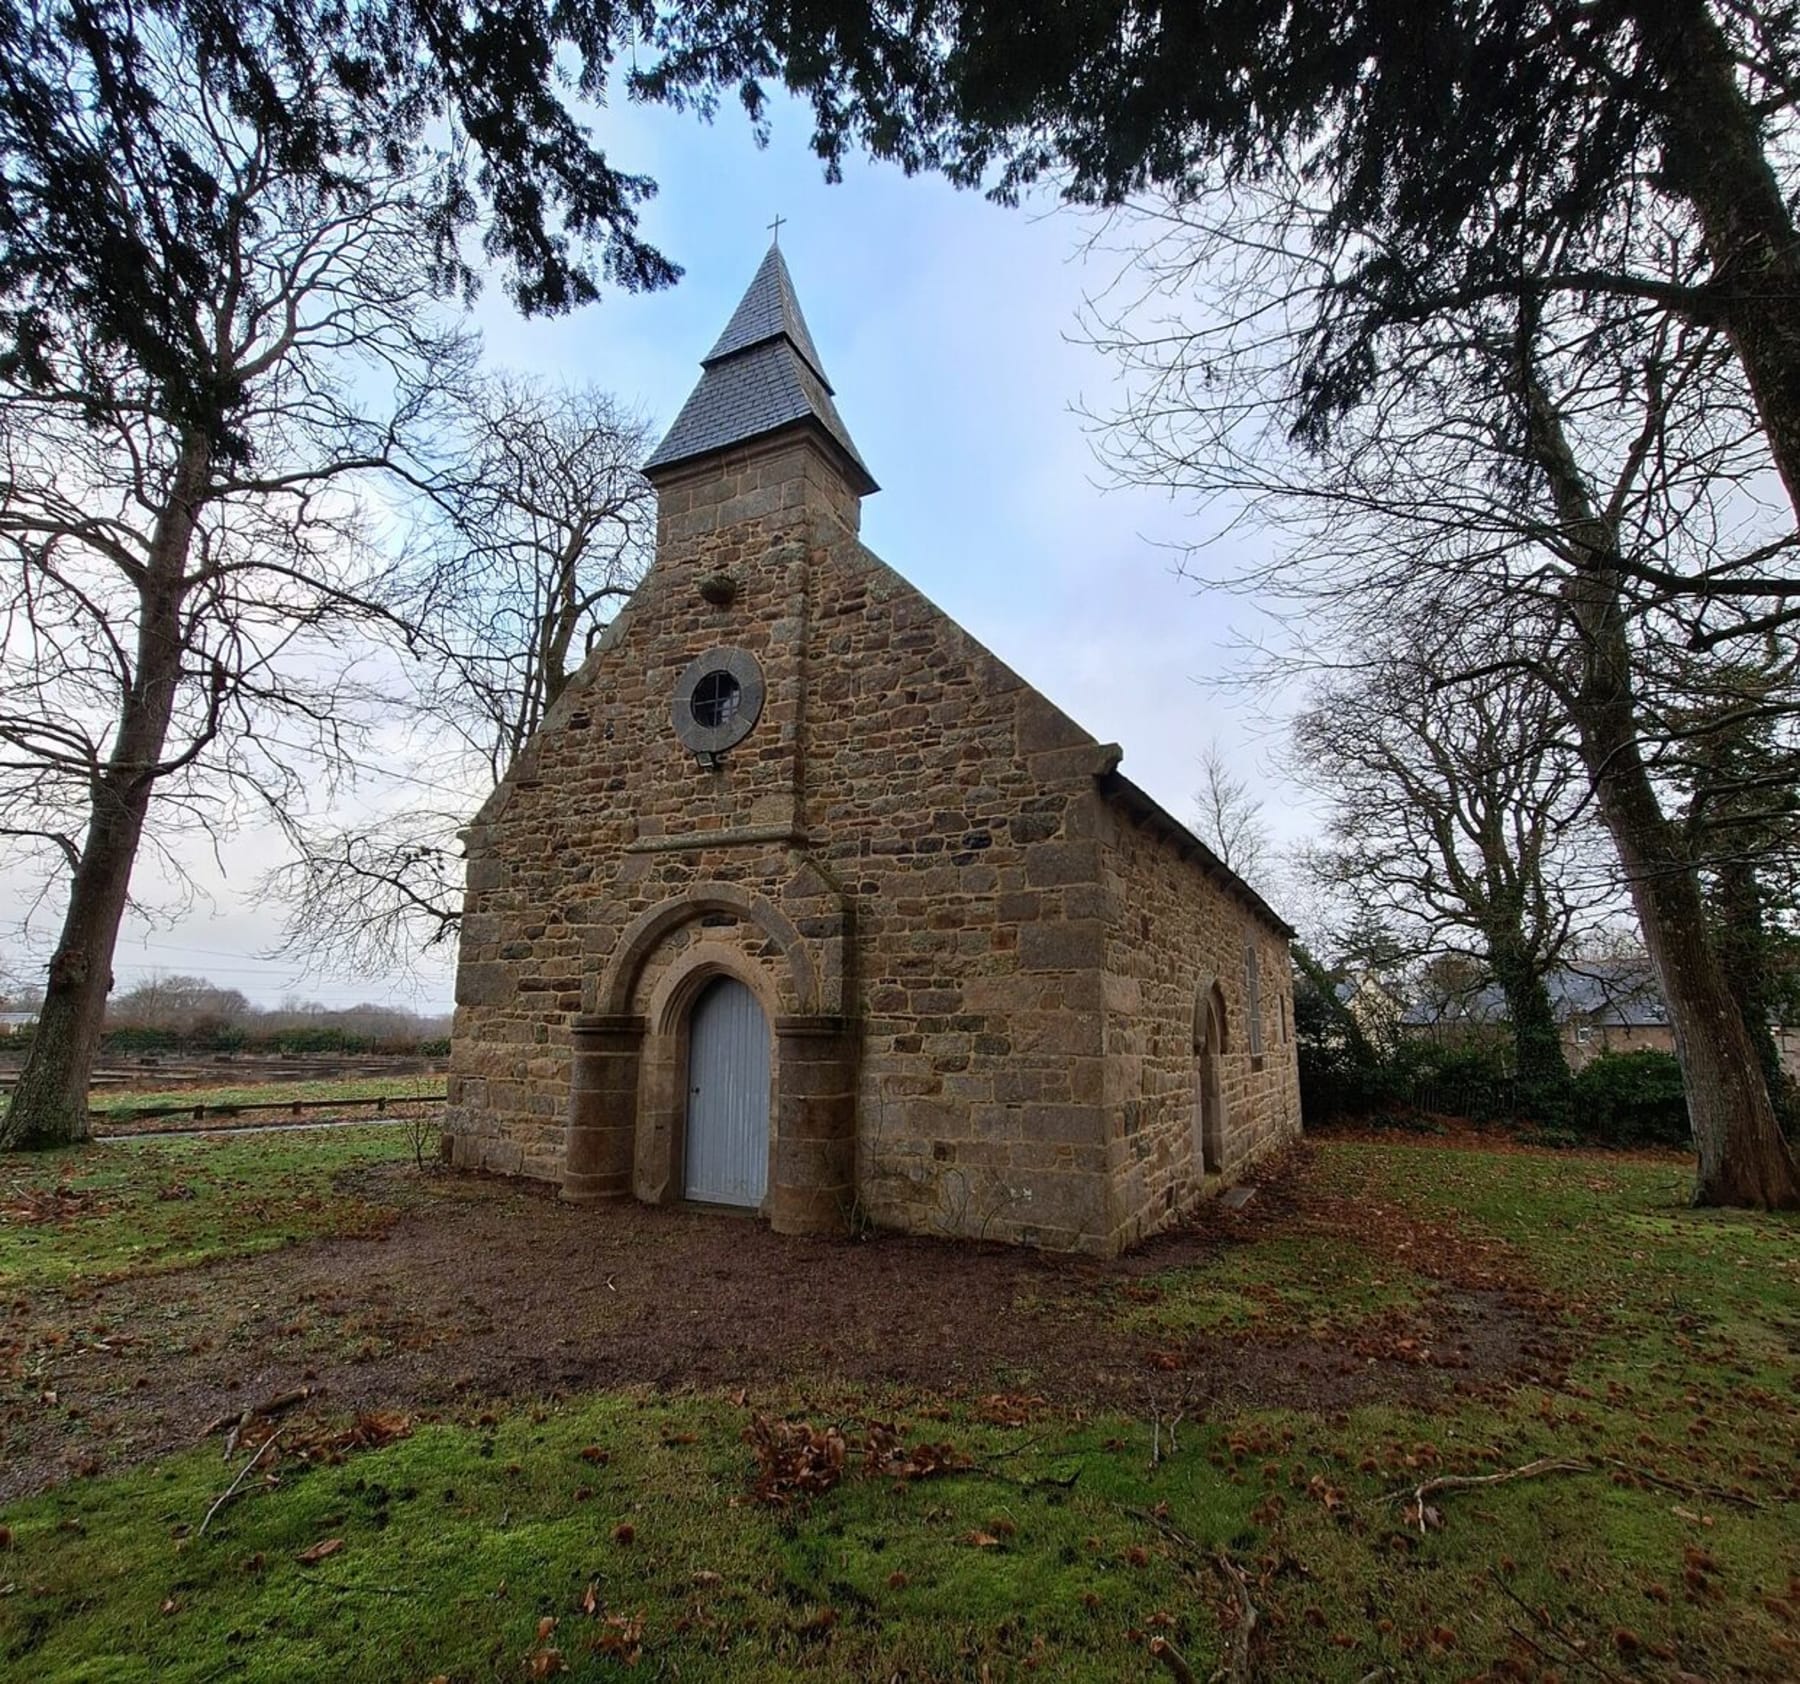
(178, 1003)
(1573, 481)
(184, 553)
(1227, 817)
(1454, 815)
(535, 525)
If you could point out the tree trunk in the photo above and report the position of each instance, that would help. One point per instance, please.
(1741, 935)
(50, 1103)
(1743, 1159)
(1543, 1071)
(1714, 157)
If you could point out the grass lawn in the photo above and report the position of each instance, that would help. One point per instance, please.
(146, 1206)
(621, 1533)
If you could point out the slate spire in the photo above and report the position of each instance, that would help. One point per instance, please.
(763, 376)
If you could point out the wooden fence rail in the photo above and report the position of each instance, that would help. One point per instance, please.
(295, 1107)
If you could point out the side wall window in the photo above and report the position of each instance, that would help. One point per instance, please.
(1253, 999)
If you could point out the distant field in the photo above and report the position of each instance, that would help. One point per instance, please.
(275, 1093)
(120, 1103)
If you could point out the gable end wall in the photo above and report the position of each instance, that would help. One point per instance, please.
(921, 820)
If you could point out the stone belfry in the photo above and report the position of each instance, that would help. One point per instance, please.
(759, 490)
(757, 482)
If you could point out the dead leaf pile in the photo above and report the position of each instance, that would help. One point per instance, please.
(793, 1459)
(1009, 1409)
(622, 1637)
(619, 1635)
(370, 1429)
(39, 1206)
(545, 1660)
(886, 1455)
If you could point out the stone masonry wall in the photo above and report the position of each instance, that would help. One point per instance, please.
(1170, 930)
(956, 806)
(598, 819)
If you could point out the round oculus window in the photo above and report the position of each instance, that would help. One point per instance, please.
(717, 700)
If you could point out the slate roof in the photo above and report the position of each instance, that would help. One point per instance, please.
(763, 375)
(1617, 993)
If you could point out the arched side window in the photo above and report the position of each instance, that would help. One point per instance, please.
(1209, 1094)
(1253, 1029)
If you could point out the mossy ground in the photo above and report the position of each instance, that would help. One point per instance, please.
(1059, 1548)
(141, 1206)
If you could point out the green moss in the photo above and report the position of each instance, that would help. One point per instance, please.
(1298, 1283)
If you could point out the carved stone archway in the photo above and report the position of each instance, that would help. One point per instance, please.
(628, 1086)
(646, 932)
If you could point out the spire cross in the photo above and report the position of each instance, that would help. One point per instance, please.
(775, 226)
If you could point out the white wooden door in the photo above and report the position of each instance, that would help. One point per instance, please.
(727, 1158)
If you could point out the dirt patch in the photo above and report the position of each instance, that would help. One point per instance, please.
(482, 1289)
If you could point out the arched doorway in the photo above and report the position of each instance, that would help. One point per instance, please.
(725, 1160)
(1209, 1092)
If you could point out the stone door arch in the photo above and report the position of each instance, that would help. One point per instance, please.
(629, 1082)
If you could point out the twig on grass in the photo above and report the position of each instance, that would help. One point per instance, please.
(1012, 1450)
(243, 1474)
(359, 1590)
(1156, 1433)
(1415, 1498)
(1171, 1657)
(1169, 1530)
(1051, 1482)
(1682, 1486)
(1238, 1665)
(240, 1419)
(1465, 1482)
(1577, 1653)
(1157, 1427)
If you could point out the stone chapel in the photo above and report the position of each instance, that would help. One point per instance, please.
(802, 902)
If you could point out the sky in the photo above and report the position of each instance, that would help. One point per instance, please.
(951, 331)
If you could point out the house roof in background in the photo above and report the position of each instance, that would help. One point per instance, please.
(1613, 993)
